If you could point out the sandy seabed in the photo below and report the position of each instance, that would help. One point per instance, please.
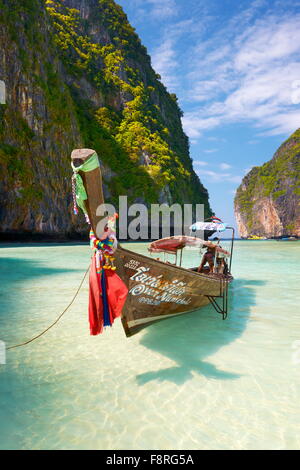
(191, 382)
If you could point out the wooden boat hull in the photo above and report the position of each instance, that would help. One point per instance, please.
(157, 290)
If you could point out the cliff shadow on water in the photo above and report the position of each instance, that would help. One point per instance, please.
(189, 339)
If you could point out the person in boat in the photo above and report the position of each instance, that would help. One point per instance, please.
(221, 265)
(218, 266)
(209, 258)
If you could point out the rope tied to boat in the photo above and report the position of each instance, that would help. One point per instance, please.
(78, 189)
(79, 193)
(57, 319)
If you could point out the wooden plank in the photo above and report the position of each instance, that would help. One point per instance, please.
(92, 181)
(158, 290)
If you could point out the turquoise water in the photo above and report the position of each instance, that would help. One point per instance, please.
(191, 382)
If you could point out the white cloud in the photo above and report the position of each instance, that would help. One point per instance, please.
(225, 166)
(216, 139)
(246, 170)
(194, 124)
(213, 175)
(247, 69)
(235, 178)
(267, 42)
(200, 162)
(250, 78)
(216, 177)
(162, 9)
(154, 9)
(164, 61)
(210, 150)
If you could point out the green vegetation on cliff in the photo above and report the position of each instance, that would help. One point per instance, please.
(137, 126)
(279, 181)
(86, 80)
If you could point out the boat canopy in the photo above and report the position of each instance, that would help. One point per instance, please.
(211, 226)
(173, 244)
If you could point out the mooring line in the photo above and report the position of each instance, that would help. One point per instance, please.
(57, 320)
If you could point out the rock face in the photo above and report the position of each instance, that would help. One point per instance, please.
(267, 203)
(77, 75)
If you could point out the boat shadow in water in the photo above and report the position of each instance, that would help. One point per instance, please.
(189, 339)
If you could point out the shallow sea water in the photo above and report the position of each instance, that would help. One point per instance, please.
(190, 382)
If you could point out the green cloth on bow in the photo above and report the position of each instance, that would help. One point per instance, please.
(89, 165)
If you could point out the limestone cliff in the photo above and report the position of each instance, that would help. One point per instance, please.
(77, 75)
(267, 203)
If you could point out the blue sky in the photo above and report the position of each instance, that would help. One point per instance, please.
(235, 67)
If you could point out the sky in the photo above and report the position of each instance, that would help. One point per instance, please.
(235, 67)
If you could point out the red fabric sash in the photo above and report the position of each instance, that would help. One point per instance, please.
(116, 293)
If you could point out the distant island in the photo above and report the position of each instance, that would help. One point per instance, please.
(267, 203)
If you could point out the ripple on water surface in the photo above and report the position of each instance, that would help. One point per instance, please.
(189, 382)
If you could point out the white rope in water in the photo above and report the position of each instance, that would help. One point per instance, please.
(57, 320)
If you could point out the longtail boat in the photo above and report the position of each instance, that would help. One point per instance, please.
(156, 289)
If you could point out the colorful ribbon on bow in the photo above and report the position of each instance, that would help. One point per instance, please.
(107, 291)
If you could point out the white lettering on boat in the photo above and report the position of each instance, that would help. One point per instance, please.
(157, 288)
(132, 264)
(149, 301)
